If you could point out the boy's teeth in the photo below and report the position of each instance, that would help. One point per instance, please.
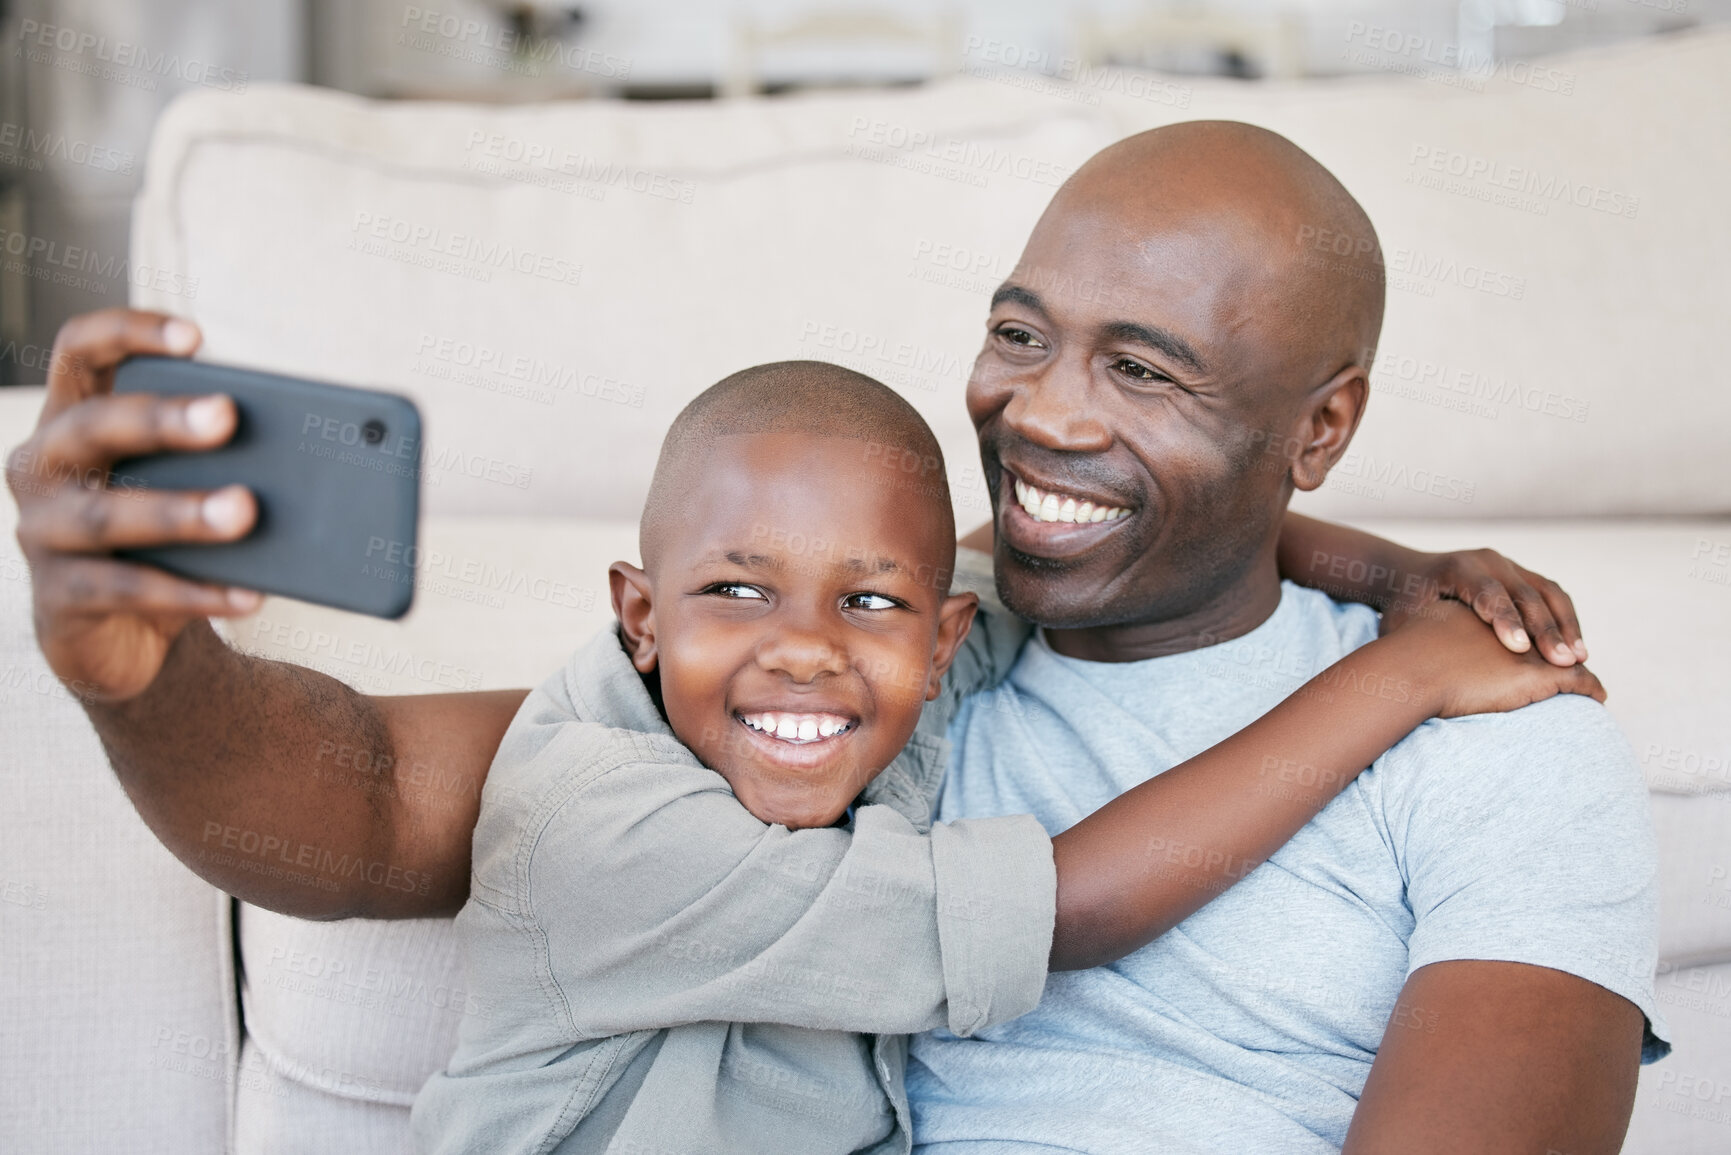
(796, 727)
(1042, 506)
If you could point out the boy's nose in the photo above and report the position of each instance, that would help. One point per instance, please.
(803, 655)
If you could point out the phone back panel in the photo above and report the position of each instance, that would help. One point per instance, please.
(336, 473)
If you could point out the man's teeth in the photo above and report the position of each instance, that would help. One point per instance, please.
(1043, 506)
(797, 727)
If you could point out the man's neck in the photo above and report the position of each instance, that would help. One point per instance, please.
(1230, 613)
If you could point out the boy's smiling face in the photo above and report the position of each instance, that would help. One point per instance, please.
(797, 610)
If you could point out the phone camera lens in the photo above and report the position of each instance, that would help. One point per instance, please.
(373, 431)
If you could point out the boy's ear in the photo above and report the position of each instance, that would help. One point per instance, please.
(633, 605)
(1331, 416)
(955, 619)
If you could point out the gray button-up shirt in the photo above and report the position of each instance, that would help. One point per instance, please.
(659, 972)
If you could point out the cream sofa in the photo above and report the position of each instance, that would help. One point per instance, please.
(552, 283)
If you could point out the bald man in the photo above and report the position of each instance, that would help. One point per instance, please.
(1455, 956)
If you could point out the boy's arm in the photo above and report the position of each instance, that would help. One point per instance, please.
(1354, 566)
(1148, 859)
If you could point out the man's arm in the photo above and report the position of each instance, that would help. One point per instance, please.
(288, 789)
(1353, 566)
(1504, 1058)
(246, 769)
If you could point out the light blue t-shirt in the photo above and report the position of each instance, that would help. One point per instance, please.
(1251, 1027)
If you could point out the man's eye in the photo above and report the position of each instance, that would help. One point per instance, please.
(735, 590)
(869, 602)
(1017, 335)
(1137, 371)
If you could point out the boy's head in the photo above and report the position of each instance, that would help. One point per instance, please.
(797, 546)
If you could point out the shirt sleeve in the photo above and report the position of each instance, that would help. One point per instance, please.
(657, 899)
(1526, 837)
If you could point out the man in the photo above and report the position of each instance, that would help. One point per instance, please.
(1225, 369)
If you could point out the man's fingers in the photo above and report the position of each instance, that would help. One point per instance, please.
(1562, 608)
(89, 346)
(91, 585)
(1491, 602)
(81, 520)
(1535, 612)
(103, 429)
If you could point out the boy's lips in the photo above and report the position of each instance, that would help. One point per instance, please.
(792, 726)
(764, 730)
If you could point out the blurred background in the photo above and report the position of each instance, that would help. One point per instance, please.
(82, 81)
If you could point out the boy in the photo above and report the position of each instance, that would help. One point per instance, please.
(707, 901)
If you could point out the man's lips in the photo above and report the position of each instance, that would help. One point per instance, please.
(1045, 520)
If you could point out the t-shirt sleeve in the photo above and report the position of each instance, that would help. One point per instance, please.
(658, 900)
(1526, 837)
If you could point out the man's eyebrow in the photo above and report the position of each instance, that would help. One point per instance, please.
(1017, 295)
(1154, 337)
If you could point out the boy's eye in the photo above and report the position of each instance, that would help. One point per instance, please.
(865, 601)
(735, 590)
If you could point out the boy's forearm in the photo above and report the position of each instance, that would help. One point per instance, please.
(1147, 860)
(1348, 564)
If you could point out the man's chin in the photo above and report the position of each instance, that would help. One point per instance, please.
(1055, 595)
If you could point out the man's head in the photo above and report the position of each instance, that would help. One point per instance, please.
(797, 546)
(1186, 339)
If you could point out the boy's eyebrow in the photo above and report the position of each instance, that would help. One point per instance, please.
(880, 565)
(853, 563)
(752, 560)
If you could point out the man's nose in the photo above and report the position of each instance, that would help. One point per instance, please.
(1056, 409)
(803, 652)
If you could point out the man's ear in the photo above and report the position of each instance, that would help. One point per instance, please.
(633, 605)
(955, 619)
(1331, 416)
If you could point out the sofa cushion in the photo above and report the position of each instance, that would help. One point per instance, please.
(553, 282)
(116, 989)
(1683, 1104)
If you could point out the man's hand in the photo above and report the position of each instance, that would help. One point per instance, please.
(1517, 603)
(276, 783)
(106, 625)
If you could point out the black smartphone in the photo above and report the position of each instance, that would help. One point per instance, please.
(335, 471)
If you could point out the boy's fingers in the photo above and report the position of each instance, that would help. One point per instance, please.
(1583, 681)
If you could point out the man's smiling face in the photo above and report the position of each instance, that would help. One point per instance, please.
(1147, 350)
